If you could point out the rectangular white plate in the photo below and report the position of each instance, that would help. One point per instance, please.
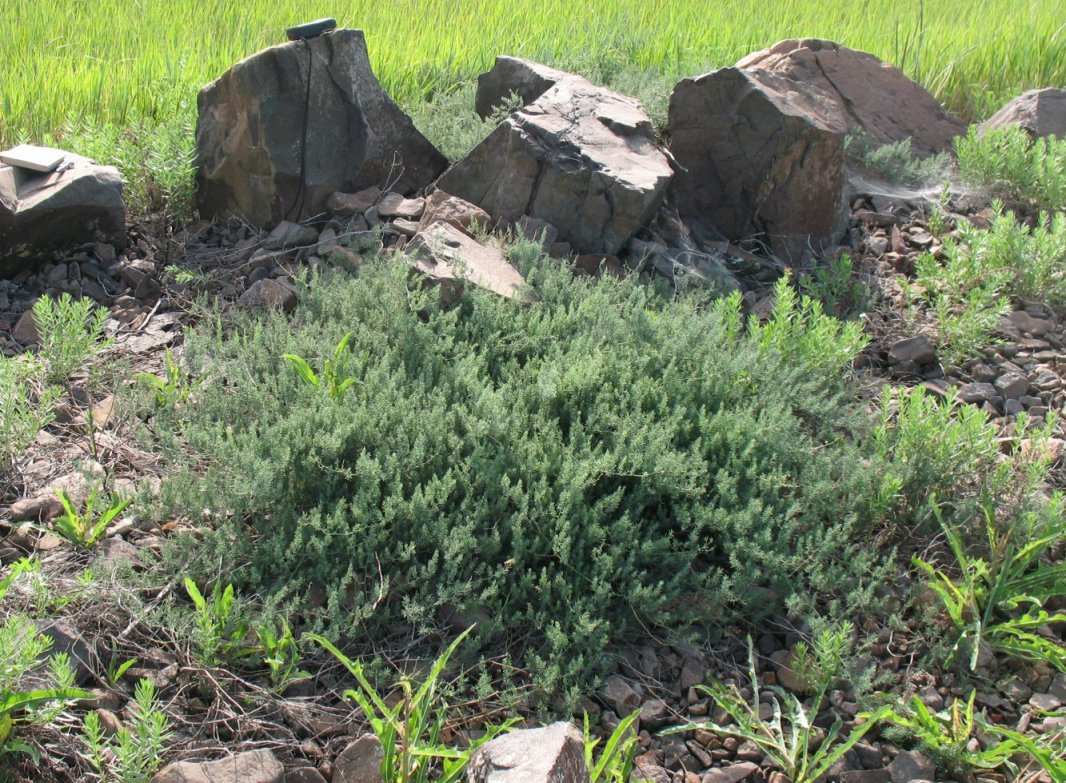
(29, 156)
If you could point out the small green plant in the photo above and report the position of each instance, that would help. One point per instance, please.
(999, 601)
(334, 371)
(21, 651)
(822, 659)
(788, 739)
(834, 285)
(173, 388)
(947, 735)
(1009, 163)
(70, 333)
(410, 731)
(217, 634)
(136, 751)
(614, 763)
(85, 528)
(281, 652)
(25, 408)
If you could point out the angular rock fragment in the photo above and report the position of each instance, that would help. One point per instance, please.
(553, 754)
(250, 151)
(255, 766)
(864, 94)
(43, 214)
(513, 76)
(444, 208)
(1037, 112)
(448, 256)
(579, 157)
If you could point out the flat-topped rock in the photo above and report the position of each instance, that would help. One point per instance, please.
(44, 215)
(1037, 112)
(449, 256)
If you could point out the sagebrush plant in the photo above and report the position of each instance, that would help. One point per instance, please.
(999, 599)
(70, 333)
(135, 752)
(947, 736)
(410, 729)
(605, 455)
(897, 162)
(834, 285)
(823, 658)
(28, 695)
(1007, 162)
(934, 447)
(969, 289)
(789, 738)
(26, 407)
(86, 527)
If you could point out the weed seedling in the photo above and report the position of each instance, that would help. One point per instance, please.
(334, 371)
(84, 529)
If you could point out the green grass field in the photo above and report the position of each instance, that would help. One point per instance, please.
(118, 61)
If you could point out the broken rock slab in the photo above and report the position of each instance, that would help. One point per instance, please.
(525, 80)
(579, 157)
(553, 754)
(46, 214)
(759, 157)
(256, 766)
(864, 93)
(448, 256)
(249, 150)
(442, 207)
(1037, 112)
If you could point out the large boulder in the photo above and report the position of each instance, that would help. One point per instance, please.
(553, 754)
(249, 154)
(579, 157)
(46, 214)
(759, 157)
(865, 94)
(1037, 112)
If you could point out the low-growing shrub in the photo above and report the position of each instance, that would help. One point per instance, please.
(25, 407)
(1006, 162)
(897, 162)
(71, 332)
(604, 456)
(969, 289)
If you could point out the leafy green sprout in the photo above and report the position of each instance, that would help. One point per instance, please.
(281, 653)
(70, 333)
(1000, 601)
(334, 378)
(410, 730)
(614, 763)
(216, 634)
(788, 739)
(170, 390)
(84, 529)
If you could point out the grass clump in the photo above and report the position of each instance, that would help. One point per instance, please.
(605, 456)
(1008, 163)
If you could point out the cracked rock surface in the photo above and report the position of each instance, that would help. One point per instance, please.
(579, 157)
(249, 134)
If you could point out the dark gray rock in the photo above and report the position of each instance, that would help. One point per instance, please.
(268, 294)
(42, 215)
(360, 762)
(249, 129)
(512, 76)
(910, 765)
(915, 349)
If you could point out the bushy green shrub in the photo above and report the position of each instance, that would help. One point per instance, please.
(1010, 164)
(567, 468)
(969, 289)
(897, 162)
(24, 409)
